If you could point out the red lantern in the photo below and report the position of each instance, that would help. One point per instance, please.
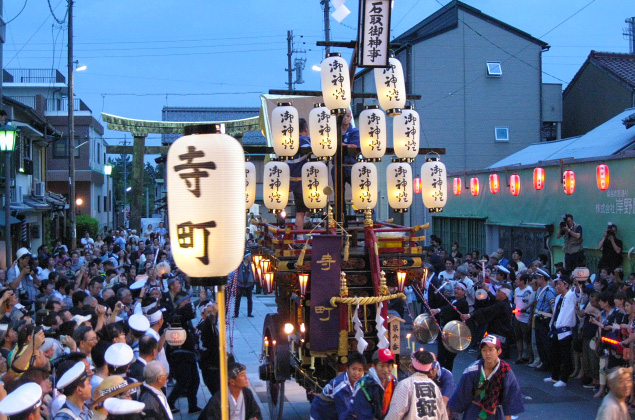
(417, 185)
(602, 176)
(474, 186)
(456, 186)
(568, 182)
(539, 178)
(493, 183)
(514, 184)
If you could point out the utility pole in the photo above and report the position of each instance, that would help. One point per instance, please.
(124, 159)
(289, 55)
(297, 65)
(327, 28)
(71, 129)
(629, 33)
(7, 165)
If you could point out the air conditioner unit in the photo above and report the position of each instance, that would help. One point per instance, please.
(16, 194)
(39, 189)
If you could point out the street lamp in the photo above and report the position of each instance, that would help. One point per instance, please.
(8, 134)
(108, 169)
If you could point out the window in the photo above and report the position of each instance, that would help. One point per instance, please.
(494, 69)
(501, 133)
(106, 203)
(60, 148)
(99, 204)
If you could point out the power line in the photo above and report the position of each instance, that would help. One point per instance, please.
(166, 48)
(180, 41)
(62, 21)
(19, 13)
(183, 94)
(161, 79)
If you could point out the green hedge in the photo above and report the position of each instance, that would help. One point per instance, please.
(86, 224)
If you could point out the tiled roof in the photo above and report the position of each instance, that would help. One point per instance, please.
(620, 65)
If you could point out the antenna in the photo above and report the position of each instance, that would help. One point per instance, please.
(629, 33)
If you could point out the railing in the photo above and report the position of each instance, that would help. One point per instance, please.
(53, 105)
(33, 76)
(25, 100)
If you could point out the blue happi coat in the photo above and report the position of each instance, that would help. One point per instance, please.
(335, 399)
(510, 402)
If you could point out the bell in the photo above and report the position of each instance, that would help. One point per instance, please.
(456, 336)
(425, 329)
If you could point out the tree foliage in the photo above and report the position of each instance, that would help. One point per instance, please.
(122, 179)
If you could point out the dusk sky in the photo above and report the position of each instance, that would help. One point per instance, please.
(144, 55)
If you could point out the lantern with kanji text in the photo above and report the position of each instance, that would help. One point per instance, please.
(336, 85)
(323, 131)
(434, 184)
(275, 186)
(250, 185)
(568, 182)
(391, 87)
(398, 182)
(474, 186)
(514, 184)
(314, 180)
(494, 183)
(285, 129)
(372, 133)
(405, 134)
(539, 178)
(364, 185)
(602, 176)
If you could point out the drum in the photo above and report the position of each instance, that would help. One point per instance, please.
(456, 336)
(425, 329)
(480, 294)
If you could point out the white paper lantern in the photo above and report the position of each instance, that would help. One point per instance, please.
(336, 85)
(275, 185)
(364, 185)
(399, 186)
(372, 132)
(314, 180)
(285, 129)
(206, 201)
(434, 190)
(323, 131)
(250, 185)
(391, 87)
(405, 134)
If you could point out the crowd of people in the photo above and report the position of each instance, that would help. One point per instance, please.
(96, 332)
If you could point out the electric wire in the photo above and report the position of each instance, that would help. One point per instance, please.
(61, 22)
(19, 13)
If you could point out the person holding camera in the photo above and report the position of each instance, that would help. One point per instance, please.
(611, 249)
(573, 250)
(23, 274)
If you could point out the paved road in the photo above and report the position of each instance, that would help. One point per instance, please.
(542, 401)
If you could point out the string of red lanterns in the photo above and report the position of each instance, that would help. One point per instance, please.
(568, 181)
(602, 176)
(493, 183)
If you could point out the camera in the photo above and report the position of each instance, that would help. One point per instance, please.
(609, 232)
(563, 225)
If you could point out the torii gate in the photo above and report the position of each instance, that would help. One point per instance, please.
(140, 129)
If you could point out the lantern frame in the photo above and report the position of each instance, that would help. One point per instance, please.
(372, 148)
(285, 145)
(398, 192)
(391, 98)
(323, 144)
(364, 198)
(602, 176)
(568, 182)
(429, 190)
(406, 134)
(539, 178)
(514, 184)
(494, 183)
(474, 186)
(336, 100)
(313, 185)
(277, 192)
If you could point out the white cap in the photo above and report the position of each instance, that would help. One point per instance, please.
(507, 291)
(80, 319)
(21, 253)
(138, 284)
(542, 273)
(138, 322)
(71, 375)
(48, 343)
(119, 354)
(118, 406)
(503, 269)
(154, 316)
(26, 398)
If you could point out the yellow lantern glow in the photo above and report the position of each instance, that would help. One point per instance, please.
(336, 85)
(364, 185)
(372, 132)
(303, 281)
(250, 185)
(391, 87)
(269, 283)
(206, 181)
(434, 190)
(275, 186)
(399, 186)
(314, 180)
(323, 131)
(405, 134)
(401, 280)
(285, 130)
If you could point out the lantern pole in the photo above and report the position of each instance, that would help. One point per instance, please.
(339, 173)
(222, 342)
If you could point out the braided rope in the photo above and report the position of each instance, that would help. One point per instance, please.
(369, 300)
(229, 314)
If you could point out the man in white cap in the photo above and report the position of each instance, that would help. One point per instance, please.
(75, 385)
(20, 275)
(23, 403)
(497, 316)
(138, 324)
(119, 357)
(488, 389)
(545, 304)
(155, 316)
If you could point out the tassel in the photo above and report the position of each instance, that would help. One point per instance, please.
(301, 257)
(346, 249)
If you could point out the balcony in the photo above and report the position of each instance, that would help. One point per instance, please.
(60, 105)
(24, 100)
(33, 76)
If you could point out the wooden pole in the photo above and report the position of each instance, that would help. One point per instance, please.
(222, 341)
(136, 194)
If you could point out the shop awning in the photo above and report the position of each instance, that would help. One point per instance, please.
(12, 219)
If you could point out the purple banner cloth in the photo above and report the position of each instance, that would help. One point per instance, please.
(326, 265)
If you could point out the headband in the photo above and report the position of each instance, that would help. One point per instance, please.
(420, 367)
(461, 285)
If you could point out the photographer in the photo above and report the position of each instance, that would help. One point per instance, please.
(611, 249)
(23, 274)
(573, 250)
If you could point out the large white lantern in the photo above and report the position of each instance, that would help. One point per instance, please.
(275, 186)
(391, 87)
(285, 130)
(336, 85)
(323, 131)
(364, 185)
(250, 185)
(399, 186)
(206, 201)
(405, 134)
(434, 190)
(314, 180)
(372, 133)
